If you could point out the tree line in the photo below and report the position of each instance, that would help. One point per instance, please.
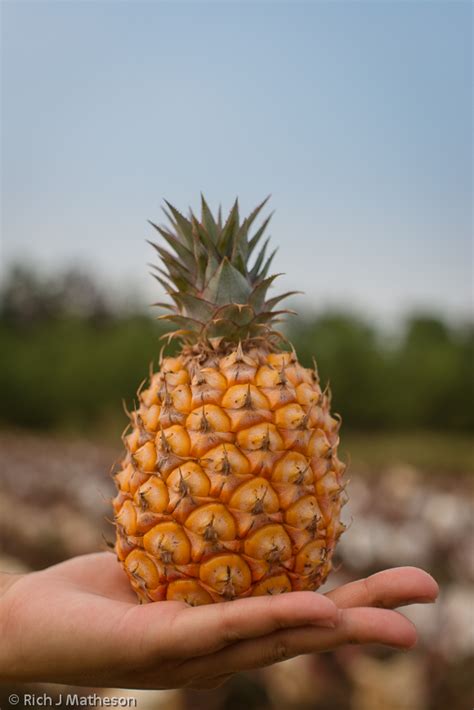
(69, 356)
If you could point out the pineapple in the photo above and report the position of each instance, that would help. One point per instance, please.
(230, 485)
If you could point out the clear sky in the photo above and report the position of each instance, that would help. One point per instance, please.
(356, 116)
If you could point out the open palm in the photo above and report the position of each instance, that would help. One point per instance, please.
(79, 622)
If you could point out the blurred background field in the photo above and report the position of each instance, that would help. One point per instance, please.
(357, 116)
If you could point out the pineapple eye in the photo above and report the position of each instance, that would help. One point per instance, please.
(213, 522)
(189, 591)
(228, 575)
(255, 496)
(189, 479)
(142, 569)
(279, 584)
(168, 543)
(271, 543)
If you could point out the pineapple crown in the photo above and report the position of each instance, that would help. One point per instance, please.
(218, 297)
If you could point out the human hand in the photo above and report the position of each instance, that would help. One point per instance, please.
(79, 623)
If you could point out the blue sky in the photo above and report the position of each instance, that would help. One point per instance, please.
(356, 116)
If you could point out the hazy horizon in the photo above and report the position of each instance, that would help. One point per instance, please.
(357, 117)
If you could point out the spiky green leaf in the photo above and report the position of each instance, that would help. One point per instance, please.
(227, 235)
(227, 285)
(182, 252)
(208, 221)
(257, 297)
(258, 235)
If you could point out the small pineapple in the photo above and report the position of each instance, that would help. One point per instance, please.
(230, 485)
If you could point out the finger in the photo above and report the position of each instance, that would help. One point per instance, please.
(201, 630)
(361, 626)
(390, 588)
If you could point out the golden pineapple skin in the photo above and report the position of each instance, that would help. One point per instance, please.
(230, 485)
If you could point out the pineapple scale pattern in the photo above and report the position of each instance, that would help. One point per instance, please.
(230, 485)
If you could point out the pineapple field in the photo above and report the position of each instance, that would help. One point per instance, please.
(69, 356)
